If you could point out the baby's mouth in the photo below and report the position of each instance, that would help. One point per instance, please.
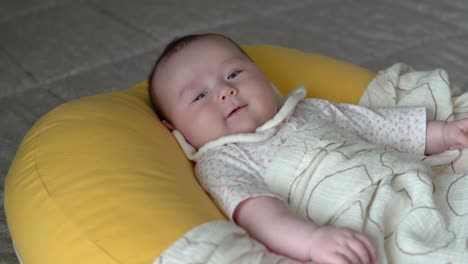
(236, 110)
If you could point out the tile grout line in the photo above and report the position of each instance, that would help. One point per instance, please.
(428, 15)
(119, 19)
(78, 71)
(413, 45)
(37, 10)
(12, 58)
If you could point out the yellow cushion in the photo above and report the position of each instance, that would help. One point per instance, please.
(100, 180)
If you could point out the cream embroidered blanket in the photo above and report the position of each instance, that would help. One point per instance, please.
(415, 209)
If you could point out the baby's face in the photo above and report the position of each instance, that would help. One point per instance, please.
(211, 89)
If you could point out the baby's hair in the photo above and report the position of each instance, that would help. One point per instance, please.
(173, 47)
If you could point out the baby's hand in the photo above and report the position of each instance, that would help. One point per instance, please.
(456, 134)
(341, 246)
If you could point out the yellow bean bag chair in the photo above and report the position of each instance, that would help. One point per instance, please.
(100, 179)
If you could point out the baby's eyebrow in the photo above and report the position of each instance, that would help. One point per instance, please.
(232, 60)
(190, 86)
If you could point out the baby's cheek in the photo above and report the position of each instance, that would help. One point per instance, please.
(206, 133)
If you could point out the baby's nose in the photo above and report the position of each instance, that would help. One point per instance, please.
(229, 93)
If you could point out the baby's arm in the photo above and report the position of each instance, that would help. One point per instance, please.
(269, 220)
(441, 135)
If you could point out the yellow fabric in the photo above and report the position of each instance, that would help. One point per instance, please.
(100, 180)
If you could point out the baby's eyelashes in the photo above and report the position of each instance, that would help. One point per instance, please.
(199, 96)
(233, 75)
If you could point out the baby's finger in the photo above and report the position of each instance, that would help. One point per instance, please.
(370, 249)
(461, 140)
(350, 252)
(358, 251)
(462, 124)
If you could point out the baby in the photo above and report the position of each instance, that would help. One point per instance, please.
(229, 119)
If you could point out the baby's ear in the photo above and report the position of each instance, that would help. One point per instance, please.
(168, 125)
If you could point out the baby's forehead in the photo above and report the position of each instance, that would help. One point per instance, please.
(204, 55)
(215, 41)
(178, 59)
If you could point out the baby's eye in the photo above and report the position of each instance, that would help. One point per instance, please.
(199, 96)
(233, 75)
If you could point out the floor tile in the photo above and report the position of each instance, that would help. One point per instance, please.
(106, 78)
(158, 17)
(12, 77)
(10, 9)
(358, 32)
(453, 11)
(66, 39)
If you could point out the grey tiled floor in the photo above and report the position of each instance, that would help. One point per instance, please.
(53, 51)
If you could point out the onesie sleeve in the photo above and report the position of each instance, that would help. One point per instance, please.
(229, 178)
(400, 127)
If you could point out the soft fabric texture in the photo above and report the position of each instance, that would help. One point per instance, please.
(101, 180)
(413, 213)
